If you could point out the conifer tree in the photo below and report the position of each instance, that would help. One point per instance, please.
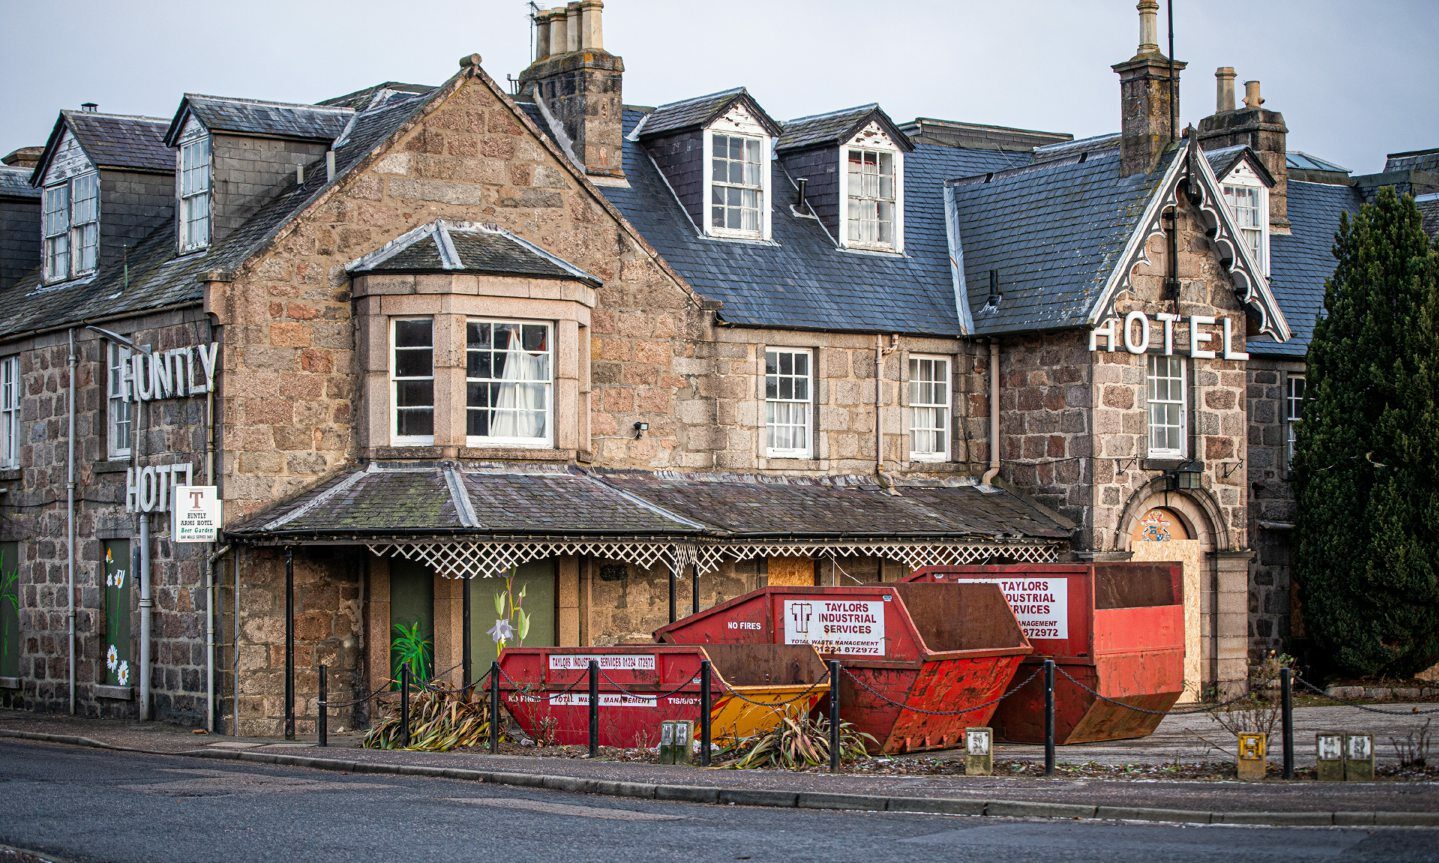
(1366, 465)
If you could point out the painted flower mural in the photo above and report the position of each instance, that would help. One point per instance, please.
(112, 658)
(123, 674)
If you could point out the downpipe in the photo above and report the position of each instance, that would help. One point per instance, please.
(880, 352)
(71, 364)
(989, 476)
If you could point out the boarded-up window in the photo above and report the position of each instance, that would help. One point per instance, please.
(9, 609)
(119, 670)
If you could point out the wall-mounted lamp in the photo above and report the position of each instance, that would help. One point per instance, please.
(640, 429)
(1187, 476)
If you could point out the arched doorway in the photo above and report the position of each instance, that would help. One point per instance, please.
(1161, 534)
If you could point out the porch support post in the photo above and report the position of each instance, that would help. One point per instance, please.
(289, 642)
(466, 667)
(695, 588)
(674, 608)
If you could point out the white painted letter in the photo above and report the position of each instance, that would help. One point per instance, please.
(179, 361)
(131, 493)
(208, 355)
(1106, 331)
(1140, 345)
(1229, 352)
(1197, 340)
(1168, 320)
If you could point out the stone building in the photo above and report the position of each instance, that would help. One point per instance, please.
(443, 350)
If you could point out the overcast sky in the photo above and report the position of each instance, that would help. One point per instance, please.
(1355, 80)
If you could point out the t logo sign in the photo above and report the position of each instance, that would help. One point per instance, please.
(195, 497)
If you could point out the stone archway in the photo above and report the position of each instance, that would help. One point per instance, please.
(1181, 527)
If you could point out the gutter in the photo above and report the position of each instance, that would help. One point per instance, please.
(71, 362)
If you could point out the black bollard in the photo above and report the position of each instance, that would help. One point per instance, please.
(405, 706)
(494, 708)
(834, 716)
(706, 732)
(1049, 717)
(323, 723)
(1286, 706)
(594, 709)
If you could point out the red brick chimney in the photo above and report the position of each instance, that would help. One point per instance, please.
(1147, 120)
(578, 83)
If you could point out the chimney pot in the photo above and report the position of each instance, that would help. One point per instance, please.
(592, 37)
(1148, 26)
(1224, 89)
(559, 38)
(89, 107)
(572, 27)
(1252, 98)
(542, 35)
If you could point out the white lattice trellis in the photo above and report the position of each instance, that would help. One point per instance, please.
(460, 559)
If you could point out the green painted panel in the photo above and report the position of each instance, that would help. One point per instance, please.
(119, 667)
(491, 603)
(412, 618)
(9, 609)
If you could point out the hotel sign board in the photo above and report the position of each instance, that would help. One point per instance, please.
(195, 513)
(1133, 334)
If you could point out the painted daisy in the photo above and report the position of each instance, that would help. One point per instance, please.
(123, 674)
(119, 578)
(112, 658)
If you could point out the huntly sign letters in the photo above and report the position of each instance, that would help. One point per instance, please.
(1135, 332)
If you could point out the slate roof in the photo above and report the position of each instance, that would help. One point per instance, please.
(836, 127)
(512, 501)
(113, 141)
(699, 111)
(15, 183)
(1053, 231)
(253, 117)
(489, 500)
(1298, 160)
(157, 277)
(390, 89)
(1299, 263)
(801, 280)
(450, 247)
(1429, 209)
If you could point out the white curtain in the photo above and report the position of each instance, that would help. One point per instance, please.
(520, 407)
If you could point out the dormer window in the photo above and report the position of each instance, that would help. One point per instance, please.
(195, 194)
(872, 187)
(737, 184)
(72, 227)
(871, 198)
(1248, 201)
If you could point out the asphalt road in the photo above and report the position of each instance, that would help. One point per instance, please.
(88, 805)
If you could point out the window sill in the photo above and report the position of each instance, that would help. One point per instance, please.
(115, 693)
(9, 683)
(11, 474)
(517, 453)
(112, 466)
(884, 251)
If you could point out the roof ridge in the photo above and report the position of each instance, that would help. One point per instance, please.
(870, 106)
(733, 91)
(270, 102)
(69, 112)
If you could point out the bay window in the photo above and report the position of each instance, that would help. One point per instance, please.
(195, 182)
(929, 406)
(412, 382)
(509, 383)
(737, 174)
(1167, 403)
(789, 412)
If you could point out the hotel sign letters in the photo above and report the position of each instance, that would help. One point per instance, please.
(1134, 334)
(172, 374)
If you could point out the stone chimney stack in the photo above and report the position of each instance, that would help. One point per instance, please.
(1148, 119)
(1262, 131)
(579, 83)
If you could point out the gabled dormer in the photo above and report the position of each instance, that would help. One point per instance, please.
(852, 162)
(1247, 184)
(235, 155)
(104, 181)
(715, 152)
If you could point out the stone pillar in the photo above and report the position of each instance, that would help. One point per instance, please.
(1230, 622)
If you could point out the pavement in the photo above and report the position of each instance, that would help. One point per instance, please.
(1271, 802)
(66, 803)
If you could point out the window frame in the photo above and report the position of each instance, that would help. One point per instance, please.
(915, 406)
(1182, 427)
(186, 201)
(548, 440)
(763, 144)
(807, 403)
(10, 412)
(1293, 413)
(118, 401)
(392, 369)
(90, 228)
(54, 231)
(896, 163)
(1245, 181)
